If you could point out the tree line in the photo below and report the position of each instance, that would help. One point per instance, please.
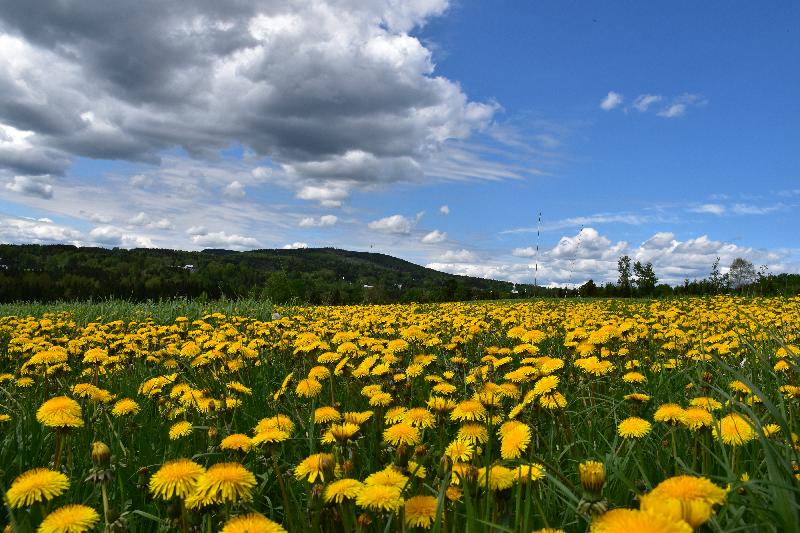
(316, 276)
(637, 279)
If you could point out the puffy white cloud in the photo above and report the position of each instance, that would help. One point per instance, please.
(445, 210)
(234, 189)
(589, 244)
(394, 224)
(221, 239)
(434, 237)
(323, 221)
(528, 251)
(36, 231)
(328, 194)
(457, 256)
(660, 241)
(31, 186)
(337, 94)
(143, 219)
(114, 236)
(296, 246)
(611, 101)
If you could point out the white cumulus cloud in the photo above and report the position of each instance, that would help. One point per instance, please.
(611, 101)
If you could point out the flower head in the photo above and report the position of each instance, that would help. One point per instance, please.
(252, 523)
(630, 520)
(175, 478)
(36, 486)
(734, 429)
(342, 489)
(420, 511)
(593, 475)
(380, 498)
(60, 412)
(633, 427)
(69, 519)
(687, 498)
(402, 433)
(222, 483)
(314, 466)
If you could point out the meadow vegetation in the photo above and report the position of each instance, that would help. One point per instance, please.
(665, 415)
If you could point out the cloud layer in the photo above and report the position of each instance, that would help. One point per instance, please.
(335, 95)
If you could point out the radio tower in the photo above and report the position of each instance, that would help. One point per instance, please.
(536, 261)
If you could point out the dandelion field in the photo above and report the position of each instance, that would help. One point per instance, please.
(601, 415)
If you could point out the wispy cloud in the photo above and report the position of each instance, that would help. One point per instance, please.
(574, 222)
(612, 100)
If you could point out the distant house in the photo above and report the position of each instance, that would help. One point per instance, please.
(190, 268)
(368, 286)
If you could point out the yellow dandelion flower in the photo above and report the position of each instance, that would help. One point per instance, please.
(420, 511)
(474, 433)
(252, 523)
(269, 436)
(514, 439)
(696, 418)
(236, 442)
(531, 472)
(686, 498)
(323, 415)
(314, 466)
(60, 412)
(389, 476)
(356, 417)
(468, 410)
(630, 520)
(460, 451)
(69, 519)
(175, 478)
(633, 427)
(499, 478)
(308, 388)
(125, 406)
(342, 489)
(402, 433)
(709, 404)
(380, 498)
(36, 486)
(545, 385)
(669, 412)
(222, 483)
(734, 429)
(180, 429)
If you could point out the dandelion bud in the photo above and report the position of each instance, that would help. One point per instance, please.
(420, 450)
(364, 520)
(101, 454)
(347, 466)
(212, 433)
(593, 476)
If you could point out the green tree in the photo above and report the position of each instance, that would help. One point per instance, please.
(741, 273)
(624, 269)
(645, 277)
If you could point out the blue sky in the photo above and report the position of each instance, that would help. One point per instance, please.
(663, 131)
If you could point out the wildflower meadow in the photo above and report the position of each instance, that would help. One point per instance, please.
(546, 415)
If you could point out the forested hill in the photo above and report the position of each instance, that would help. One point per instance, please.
(315, 275)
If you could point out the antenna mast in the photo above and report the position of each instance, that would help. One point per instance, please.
(536, 263)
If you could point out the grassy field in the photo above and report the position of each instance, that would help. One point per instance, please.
(667, 415)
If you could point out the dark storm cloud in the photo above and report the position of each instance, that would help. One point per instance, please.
(334, 91)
